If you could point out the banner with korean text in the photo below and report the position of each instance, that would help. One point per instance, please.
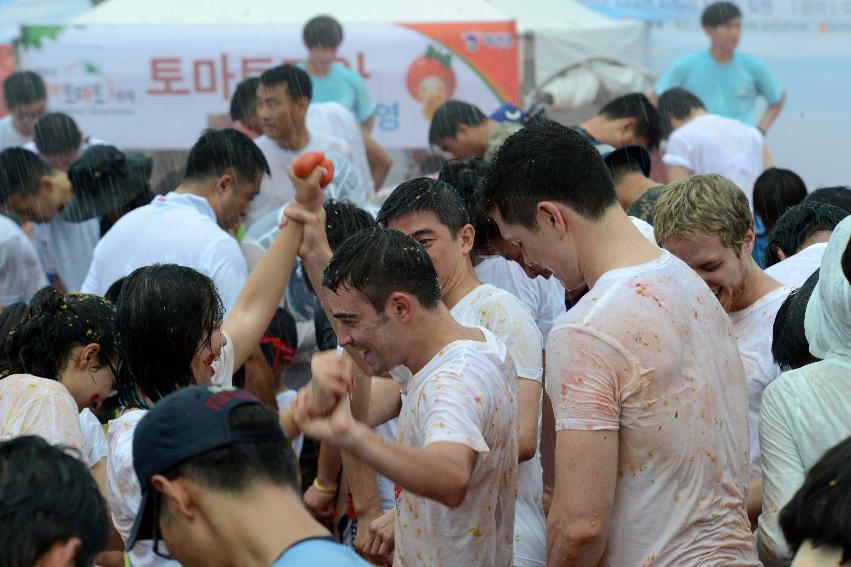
(158, 87)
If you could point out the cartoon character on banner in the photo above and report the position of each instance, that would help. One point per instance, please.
(431, 80)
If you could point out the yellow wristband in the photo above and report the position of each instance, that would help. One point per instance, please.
(323, 489)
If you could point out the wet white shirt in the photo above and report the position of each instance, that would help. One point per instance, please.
(67, 248)
(97, 446)
(794, 270)
(754, 331)
(20, 271)
(175, 228)
(9, 135)
(466, 394)
(336, 121)
(649, 352)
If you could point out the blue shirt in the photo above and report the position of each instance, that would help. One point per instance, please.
(319, 552)
(345, 86)
(729, 89)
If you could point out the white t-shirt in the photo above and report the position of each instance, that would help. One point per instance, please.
(87, 143)
(543, 296)
(285, 400)
(466, 394)
(177, 228)
(67, 248)
(336, 121)
(9, 135)
(510, 321)
(648, 352)
(20, 271)
(30, 405)
(804, 413)
(754, 331)
(96, 444)
(794, 270)
(716, 144)
(277, 190)
(125, 494)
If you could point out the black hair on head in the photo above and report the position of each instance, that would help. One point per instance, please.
(23, 87)
(40, 344)
(56, 133)
(218, 152)
(675, 103)
(378, 261)
(49, 497)
(820, 512)
(774, 191)
(719, 13)
(789, 346)
(243, 103)
(467, 177)
(451, 114)
(114, 292)
(20, 172)
(294, 78)
(166, 313)
(424, 194)
(838, 196)
(343, 219)
(322, 31)
(797, 225)
(638, 107)
(546, 161)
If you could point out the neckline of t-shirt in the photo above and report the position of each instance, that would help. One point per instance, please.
(651, 266)
(452, 346)
(766, 299)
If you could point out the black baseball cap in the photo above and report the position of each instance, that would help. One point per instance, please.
(629, 154)
(105, 179)
(183, 425)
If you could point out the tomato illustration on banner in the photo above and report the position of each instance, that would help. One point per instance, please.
(431, 80)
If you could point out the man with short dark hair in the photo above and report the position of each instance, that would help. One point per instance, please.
(642, 371)
(26, 99)
(51, 505)
(243, 108)
(58, 140)
(463, 130)
(630, 169)
(189, 225)
(625, 120)
(728, 81)
(219, 480)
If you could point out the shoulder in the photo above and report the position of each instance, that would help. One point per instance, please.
(346, 72)
(749, 61)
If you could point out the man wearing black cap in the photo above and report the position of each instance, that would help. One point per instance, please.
(220, 485)
(630, 169)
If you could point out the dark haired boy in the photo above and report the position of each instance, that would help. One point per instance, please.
(463, 130)
(26, 99)
(727, 80)
(626, 120)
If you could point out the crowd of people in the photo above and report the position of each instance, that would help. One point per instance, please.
(544, 352)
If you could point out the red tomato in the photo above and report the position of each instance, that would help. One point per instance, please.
(329, 173)
(425, 67)
(306, 163)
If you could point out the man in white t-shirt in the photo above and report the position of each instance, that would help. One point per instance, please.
(798, 240)
(332, 119)
(455, 459)
(433, 213)
(26, 99)
(283, 98)
(706, 221)
(646, 383)
(189, 225)
(20, 272)
(700, 143)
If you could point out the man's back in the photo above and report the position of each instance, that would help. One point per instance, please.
(175, 228)
(714, 144)
(650, 353)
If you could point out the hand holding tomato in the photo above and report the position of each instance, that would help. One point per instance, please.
(307, 162)
(309, 173)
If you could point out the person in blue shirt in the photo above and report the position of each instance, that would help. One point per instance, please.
(726, 80)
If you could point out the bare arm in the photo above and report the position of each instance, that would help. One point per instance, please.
(677, 173)
(586, 474)
(771, 114)
(379, 160)
(530, 401)
(258, 378)
(548, 442)
(767, 162)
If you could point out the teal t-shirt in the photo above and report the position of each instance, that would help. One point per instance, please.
(345, 86)
(319, 552)
(729, 89)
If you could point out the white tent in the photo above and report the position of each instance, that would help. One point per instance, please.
(573, 56)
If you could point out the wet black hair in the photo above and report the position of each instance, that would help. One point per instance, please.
(20, 172)
(218, 152)
(675, 103)
(322, 31)
(719, 13)
(838, 196)
(638, 107)
(451, 114)
(165, 314)
(467, 177)
(378, 261)
(295, 78)
(546, 161)
(56, 133)
(243, 103)
(48, 497)
(114, 292)
(12, 315)
(343, 219)
(846, 262)
(789, 346)
(23, 87)
(774, 191)
(798, 224)
(821, 509)
(427, 195)
(40, 344)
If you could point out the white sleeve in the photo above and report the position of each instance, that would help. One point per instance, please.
(125, 495)
(450, 410)
(552, 303)
(224, 365)
(55, 418)
(679, 151)
(20, 272)
(96, 445)
(512, 323)
(224, 263)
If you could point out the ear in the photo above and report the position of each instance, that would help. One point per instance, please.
(88, 358)
(175, 495)
(626, 125)
(467, 236)
(399, 306)
(61, 554)
(462, 130)
(225, 182)
(45, 184)
(748, 241)
(550, 215)
(301, 105)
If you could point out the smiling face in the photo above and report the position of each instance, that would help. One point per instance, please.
(207, 353)
(724, 269)
(360, 327)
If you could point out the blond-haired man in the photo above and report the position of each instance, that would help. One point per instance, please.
(706, 221)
